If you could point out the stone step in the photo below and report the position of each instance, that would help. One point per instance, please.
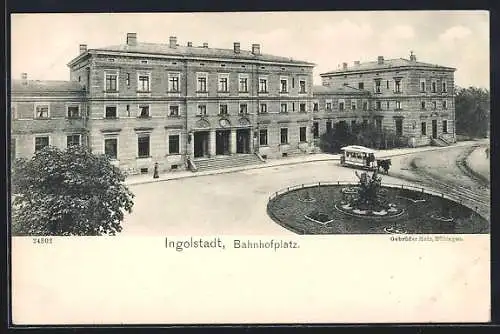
(227, 162)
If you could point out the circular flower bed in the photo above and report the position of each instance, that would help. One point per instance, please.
(331, 213)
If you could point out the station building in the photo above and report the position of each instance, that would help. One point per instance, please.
(185, 106)
(411, 98)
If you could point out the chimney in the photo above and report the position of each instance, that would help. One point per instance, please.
(344, 66)
(205, 45)
(412, 56)
(380, 60)
(190, 44)
(83, 48)
(356, 63)
(172, 42)
(236, 47)
(256, 49)
(132, 39)
(24, 78)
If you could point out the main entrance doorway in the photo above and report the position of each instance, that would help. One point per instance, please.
(201, 144)
(243, 141)
(222, 140)
(434, 128)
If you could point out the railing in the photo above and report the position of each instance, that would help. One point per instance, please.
(388, 185)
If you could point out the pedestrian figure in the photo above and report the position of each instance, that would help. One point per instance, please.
(155, 172)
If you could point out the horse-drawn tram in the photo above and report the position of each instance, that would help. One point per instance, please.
(363, 157)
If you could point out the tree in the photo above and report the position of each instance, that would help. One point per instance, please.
(67, 193)
(472, 111)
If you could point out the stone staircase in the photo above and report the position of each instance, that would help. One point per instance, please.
(227, 162)
(439, 142)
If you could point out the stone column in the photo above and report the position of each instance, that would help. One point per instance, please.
(252, 140)
(191, 145)
(212, 142)
(233, 141)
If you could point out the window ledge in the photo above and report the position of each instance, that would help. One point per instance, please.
(75, 117)
(144, 117)
(174, 116)
(110, 118)
(143, 158)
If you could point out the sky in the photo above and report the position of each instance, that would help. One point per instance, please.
(42, 44)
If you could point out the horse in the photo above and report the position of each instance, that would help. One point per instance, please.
(385, 164)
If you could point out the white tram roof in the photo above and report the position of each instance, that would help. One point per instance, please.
(361, 149)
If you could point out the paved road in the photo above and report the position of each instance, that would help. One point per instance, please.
(234, 203)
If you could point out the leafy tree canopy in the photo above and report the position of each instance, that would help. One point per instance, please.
(472, 111)
(68, 192)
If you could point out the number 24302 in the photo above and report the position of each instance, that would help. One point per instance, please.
(45, 241)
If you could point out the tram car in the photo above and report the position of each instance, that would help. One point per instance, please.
(363, 157)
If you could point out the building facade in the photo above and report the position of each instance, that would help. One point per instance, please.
(413, 99)
(180, 106)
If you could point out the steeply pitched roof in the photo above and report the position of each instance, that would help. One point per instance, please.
(45, 86)
(388, 63)
(338, 90)
(195, 51)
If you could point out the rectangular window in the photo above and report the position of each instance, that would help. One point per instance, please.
(42, 111)
(444, 86)
(144, 111)
(316, 130)
(262, 85)
(388, 105)
(397, 85)
(365, 105)
(243, 84)
(143, 83)
(111, 82)
(398, 105)
(111, 148)
(41, 142)
(174, 111)
(302, 85)
(328, 126)
(222, 109)
(361, 85)
(201, 84)
(110, 112)
(143, 146)
(302, 107)
(328, 106)
(399, 127)
(223, 83)
(303, 134)
(202, 110)
(378, 124)
(173, 83)
(353, 104)
(283, 107)
(173, 144)
(73, 112)
(263, 137)
(445, 104)
(284, 136)
(315, 106)
(445, 126)
(387, 84)
(422, 85)
(377, 86)
(422, 105)
(379, 105)
(284, 86)
(434, 87)
(423, 128)
(434, 105)
(263, 108)
(72, 140)
(243, 109)
(127, 79)
(341, 105)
